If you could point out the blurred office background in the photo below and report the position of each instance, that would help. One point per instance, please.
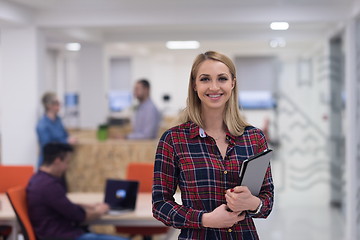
(300, 85)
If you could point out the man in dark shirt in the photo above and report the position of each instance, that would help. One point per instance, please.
(52, 214)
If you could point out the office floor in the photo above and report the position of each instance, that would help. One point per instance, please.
(310, 223)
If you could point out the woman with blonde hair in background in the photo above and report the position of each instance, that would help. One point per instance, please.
(203, 156)
(50, 128)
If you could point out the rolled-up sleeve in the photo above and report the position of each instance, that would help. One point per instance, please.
(266, 194)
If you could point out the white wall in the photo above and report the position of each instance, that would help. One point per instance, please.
(93, 105)
(1, 87)
(21, 53)
(352, 128)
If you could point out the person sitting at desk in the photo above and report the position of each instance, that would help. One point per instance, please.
(50, 127)
(147, 117)
(51, 213)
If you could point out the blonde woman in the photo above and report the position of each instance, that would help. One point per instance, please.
(50, 127)
(203, 156)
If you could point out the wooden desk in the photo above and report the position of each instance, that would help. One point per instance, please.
(142, 216)
(7, 215)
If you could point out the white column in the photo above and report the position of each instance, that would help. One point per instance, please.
(352, 84)
(92, 98)
(20, 64)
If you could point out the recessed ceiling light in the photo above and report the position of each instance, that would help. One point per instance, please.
(279, 26)
(182, 44)
(73, 46)
(278, 42)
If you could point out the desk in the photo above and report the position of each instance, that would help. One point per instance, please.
(7, 215)
(142, 216)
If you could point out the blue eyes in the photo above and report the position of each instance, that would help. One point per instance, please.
(208, 79)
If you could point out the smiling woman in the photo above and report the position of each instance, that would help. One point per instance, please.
(214, 84)
(204, 155)
(226, 69)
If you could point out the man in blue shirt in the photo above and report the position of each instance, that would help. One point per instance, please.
(50, 127)
(147, 117)
(52, 214)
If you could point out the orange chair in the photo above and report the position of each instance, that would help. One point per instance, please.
(11, 176)
(142, 172)
(17, 197)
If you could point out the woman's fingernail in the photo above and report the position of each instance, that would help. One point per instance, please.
(232, 190)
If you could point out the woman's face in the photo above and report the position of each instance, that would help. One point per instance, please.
(54, 106)
(213, 84)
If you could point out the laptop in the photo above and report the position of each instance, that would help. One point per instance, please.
(121, 195)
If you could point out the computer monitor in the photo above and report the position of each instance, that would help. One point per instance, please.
(119, 100)
(256, 100)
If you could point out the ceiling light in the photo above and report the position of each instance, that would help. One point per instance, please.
(73, 46)
(279, 26)
(278, 42)
(182, 44)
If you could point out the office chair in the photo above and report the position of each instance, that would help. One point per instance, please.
(17, 197)
(11, 176)
(142, 172)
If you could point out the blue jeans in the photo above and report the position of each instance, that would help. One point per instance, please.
(94, 236)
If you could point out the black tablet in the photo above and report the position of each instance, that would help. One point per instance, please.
(253, 171)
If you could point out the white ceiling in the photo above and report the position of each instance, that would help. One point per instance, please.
(162, 20)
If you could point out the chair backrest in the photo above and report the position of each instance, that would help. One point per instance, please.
(17, 197)
(142, 172)
(11, 176)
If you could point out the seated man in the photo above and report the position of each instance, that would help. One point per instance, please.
(52, 214)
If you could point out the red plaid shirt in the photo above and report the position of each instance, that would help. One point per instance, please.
(188, 158)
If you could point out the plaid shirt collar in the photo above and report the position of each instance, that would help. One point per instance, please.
(196, 131)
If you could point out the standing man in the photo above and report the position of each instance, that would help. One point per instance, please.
(147, 117)
(52, 214)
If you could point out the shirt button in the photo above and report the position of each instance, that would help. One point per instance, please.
(229, 230)
(225, 172)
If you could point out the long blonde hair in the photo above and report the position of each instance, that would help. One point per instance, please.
(232, 117)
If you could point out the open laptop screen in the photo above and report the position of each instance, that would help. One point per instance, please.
(121, 194)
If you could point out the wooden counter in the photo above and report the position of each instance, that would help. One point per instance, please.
(94, 161)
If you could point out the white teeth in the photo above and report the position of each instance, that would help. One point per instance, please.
(214, 96)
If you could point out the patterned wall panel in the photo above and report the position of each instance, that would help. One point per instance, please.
(303, 111)
(304, 144)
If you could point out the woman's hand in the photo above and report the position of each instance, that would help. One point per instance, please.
(240, 199)
(221, 218)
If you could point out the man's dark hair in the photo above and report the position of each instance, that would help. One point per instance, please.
(52, 151)
(145, 83)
